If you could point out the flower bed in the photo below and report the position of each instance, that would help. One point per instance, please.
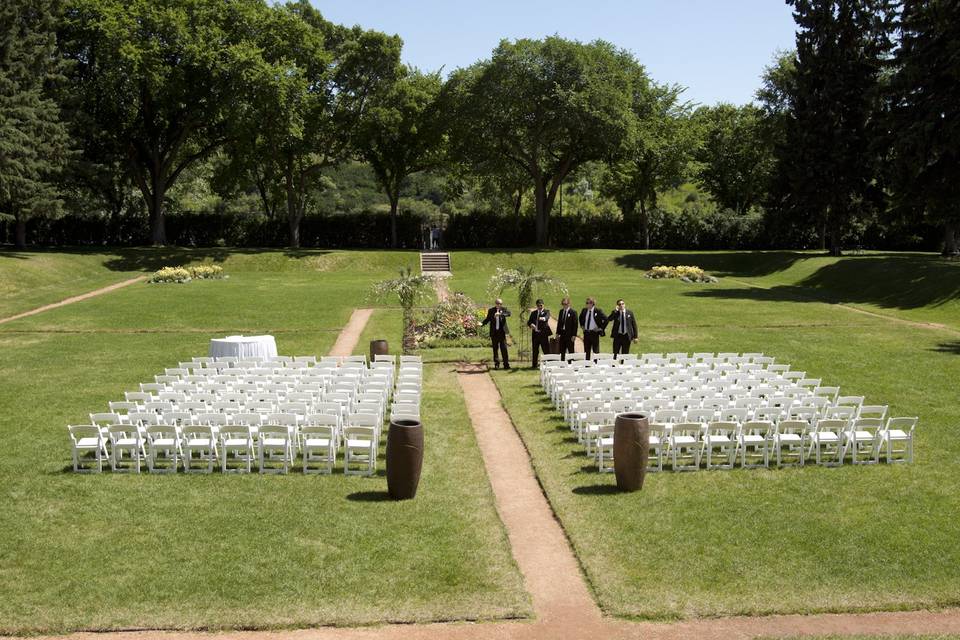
(681, 272)
(455, 319)
(186, 274)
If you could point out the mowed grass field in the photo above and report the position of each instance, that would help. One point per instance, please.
(750, 541)
(769, 541)
(110, 551)
(225, 552)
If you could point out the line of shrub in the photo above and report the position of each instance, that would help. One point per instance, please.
(688, 229)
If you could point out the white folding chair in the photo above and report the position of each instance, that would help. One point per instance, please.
(863, 437)
(125, 438)
(359, 450)
(719, 437)
(319, 446)
(754, 443)
(790, 438)
(274, 445)
(238, 440)
(199, 439)
(828, 437)
(163, 445)
(659, 442)
(899, 430)
(87, 439)
(684, 447)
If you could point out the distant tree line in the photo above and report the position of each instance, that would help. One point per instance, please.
(242, 122)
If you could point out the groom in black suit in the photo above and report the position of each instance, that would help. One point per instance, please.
(497, 319)
(566, 328)
(539, 323)
(623, 328)
(593, 321)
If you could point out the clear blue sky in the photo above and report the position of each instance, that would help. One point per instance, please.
(715, 48)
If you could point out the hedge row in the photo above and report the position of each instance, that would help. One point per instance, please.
(690, 229)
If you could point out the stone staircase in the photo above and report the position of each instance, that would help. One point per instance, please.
(435, 262)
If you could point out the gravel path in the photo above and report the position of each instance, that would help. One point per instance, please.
(350, 335)
(84, 296)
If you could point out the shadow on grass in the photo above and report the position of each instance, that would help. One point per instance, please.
(369, 496)
(596, 490)
(743, 264)
(152, 258)
(948, 347)
(891, 281)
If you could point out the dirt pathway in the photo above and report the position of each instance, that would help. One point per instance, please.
(84, 296)
(441, 287)
(350, 335)
(561, 599)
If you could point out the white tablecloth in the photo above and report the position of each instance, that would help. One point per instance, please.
(243, 347)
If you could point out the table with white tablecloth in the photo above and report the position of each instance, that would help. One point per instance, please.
(243, 347)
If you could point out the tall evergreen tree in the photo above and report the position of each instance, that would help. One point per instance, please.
(33, 140)
(925, 110)
(828, 164)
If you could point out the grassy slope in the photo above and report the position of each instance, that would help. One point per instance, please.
(35, 278)
(919, 287)
(793, 540)
(314, 550)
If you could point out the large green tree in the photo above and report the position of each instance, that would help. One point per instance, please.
(734, 157)
(545, 106)
(925, 110)
(312, 90)
(34, 144)
(828, 165)
(402, 132)
(656, 159)
(163, 79)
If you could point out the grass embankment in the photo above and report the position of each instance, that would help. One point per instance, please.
(110, 551)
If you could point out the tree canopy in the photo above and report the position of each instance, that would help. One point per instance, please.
(547, 107)
(34, 144)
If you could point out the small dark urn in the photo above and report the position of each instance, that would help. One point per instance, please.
(378, 348)
(404, 458)
(631, 448)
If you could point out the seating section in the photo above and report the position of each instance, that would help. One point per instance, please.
(721, 411)
(236, 415)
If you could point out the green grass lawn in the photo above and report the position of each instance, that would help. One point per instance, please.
(758, 542)
(109, 551)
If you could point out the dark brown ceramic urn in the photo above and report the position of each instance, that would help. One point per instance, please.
(404, 458)
(631, 447)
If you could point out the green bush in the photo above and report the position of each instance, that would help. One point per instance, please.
(170, 274)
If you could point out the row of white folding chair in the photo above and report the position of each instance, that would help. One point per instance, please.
(688, 444)
(162, 446)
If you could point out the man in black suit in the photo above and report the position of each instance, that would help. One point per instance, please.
(497, 319)
(539, 323)
(592, 321)
(566, 328)
(623, 328)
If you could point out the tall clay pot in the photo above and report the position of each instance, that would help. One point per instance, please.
(631, 448)
(404, 458)
(378, 348)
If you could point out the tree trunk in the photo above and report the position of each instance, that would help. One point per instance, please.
(540, 200)
(950, 247)
(293, 209)
(158, 226)
(394, 203)
(835, 248)
(516, 211)
(20, 233)
(644, 225)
